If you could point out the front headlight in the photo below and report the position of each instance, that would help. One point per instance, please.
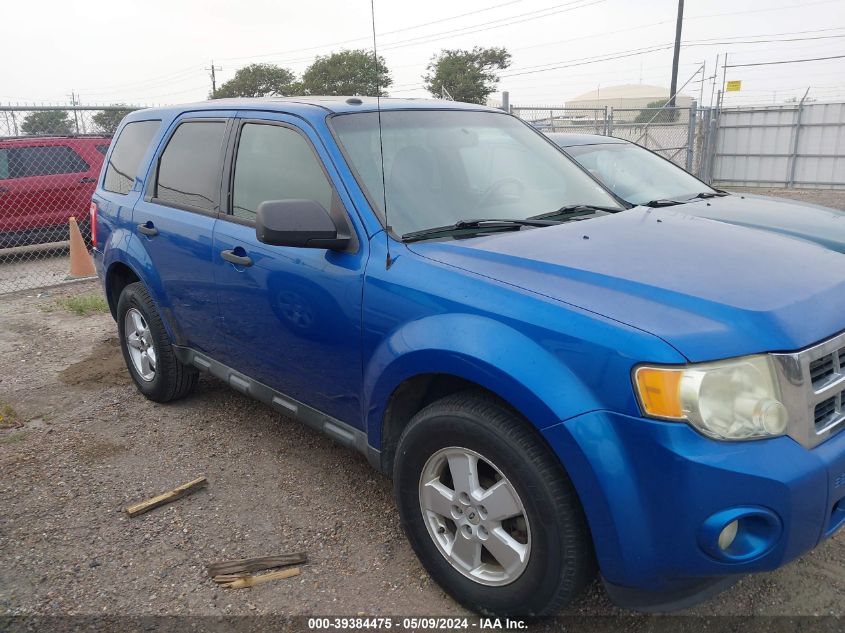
(737, 399)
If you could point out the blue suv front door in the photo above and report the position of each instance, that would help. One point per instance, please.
(291, 317)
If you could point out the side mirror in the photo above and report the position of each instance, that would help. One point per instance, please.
(299, 223)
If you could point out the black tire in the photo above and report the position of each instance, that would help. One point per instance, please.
(561, 562)
(172, 379)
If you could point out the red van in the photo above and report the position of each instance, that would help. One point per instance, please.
(43, 181)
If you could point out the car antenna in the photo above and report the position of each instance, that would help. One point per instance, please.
(389, 262)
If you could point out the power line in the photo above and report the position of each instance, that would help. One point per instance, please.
(787, 61)
(785, 39)
(152, 80)
(367, 37)
(788, 6)
(642, 51)
(494, 24)
(476, 28)
(484, 26)
(412, 41)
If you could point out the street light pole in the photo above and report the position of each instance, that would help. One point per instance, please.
(676, 55)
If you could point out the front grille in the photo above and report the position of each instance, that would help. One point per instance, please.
(825, 412)
(812, 385)
(821, 369)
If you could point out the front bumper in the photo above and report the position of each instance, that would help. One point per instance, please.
(650, 490)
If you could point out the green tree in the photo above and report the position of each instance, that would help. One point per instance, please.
(106, 121)
(469, 76)
(258, 80)
(47, 122)
(347, 73)
(663, 116)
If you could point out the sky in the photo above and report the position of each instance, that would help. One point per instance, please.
(158, 51)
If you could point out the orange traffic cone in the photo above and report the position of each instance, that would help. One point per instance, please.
(81, 264)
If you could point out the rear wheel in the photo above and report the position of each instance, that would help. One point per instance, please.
(489, 510)
(147, 349)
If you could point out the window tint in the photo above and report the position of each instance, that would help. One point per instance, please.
(129, 149)
(103, 149)
(188, 173)
(276, 163)
(4, 164)
(23, 162)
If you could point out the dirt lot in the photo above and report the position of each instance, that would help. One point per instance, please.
(83, 444)
(834, 198)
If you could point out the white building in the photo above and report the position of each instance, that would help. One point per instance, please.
(626, 96)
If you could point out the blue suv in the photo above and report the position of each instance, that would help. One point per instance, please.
(558, 385)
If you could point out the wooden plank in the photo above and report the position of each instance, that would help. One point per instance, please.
(166, 497)
(223, 578)
(251, 565)
(251, 581)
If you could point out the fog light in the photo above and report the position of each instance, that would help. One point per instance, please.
(740, 534)
(727, 535)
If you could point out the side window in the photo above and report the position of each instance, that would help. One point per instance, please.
(129, 149)
(276, 163)
(50, 160)
(4, 164)
(188, 172)
(103, 149)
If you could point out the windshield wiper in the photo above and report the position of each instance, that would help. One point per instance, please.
(480, 224)
(663, 202)
(710, 194)
(574, 210)
(668, 202)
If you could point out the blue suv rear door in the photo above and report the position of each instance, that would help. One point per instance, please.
(291, 317)
(175, 222)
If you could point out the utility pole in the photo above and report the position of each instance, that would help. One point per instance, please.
(214, 68)
(674, 85)
(75, 114)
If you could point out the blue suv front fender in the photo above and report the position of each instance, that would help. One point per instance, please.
(480, 350)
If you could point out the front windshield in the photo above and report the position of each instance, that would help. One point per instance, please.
(635, 174)
(443, 166)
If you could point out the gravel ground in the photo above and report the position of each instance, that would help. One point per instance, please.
(85, 444)
(32, 270)
(834, 198)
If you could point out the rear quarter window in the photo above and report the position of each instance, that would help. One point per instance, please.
(129, 149)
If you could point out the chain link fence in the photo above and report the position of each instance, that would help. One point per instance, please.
(558, 119)
(50, 159)
(670, 132)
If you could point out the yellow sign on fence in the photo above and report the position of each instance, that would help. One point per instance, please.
(735, 86)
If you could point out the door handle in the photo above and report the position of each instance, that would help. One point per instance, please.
(87, 179)
(238, 260)
(148, 228)
(4, 190)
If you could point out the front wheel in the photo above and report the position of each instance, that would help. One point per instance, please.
(489, 510)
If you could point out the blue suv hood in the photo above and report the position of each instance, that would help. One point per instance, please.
(790, 217)
(708, 288)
